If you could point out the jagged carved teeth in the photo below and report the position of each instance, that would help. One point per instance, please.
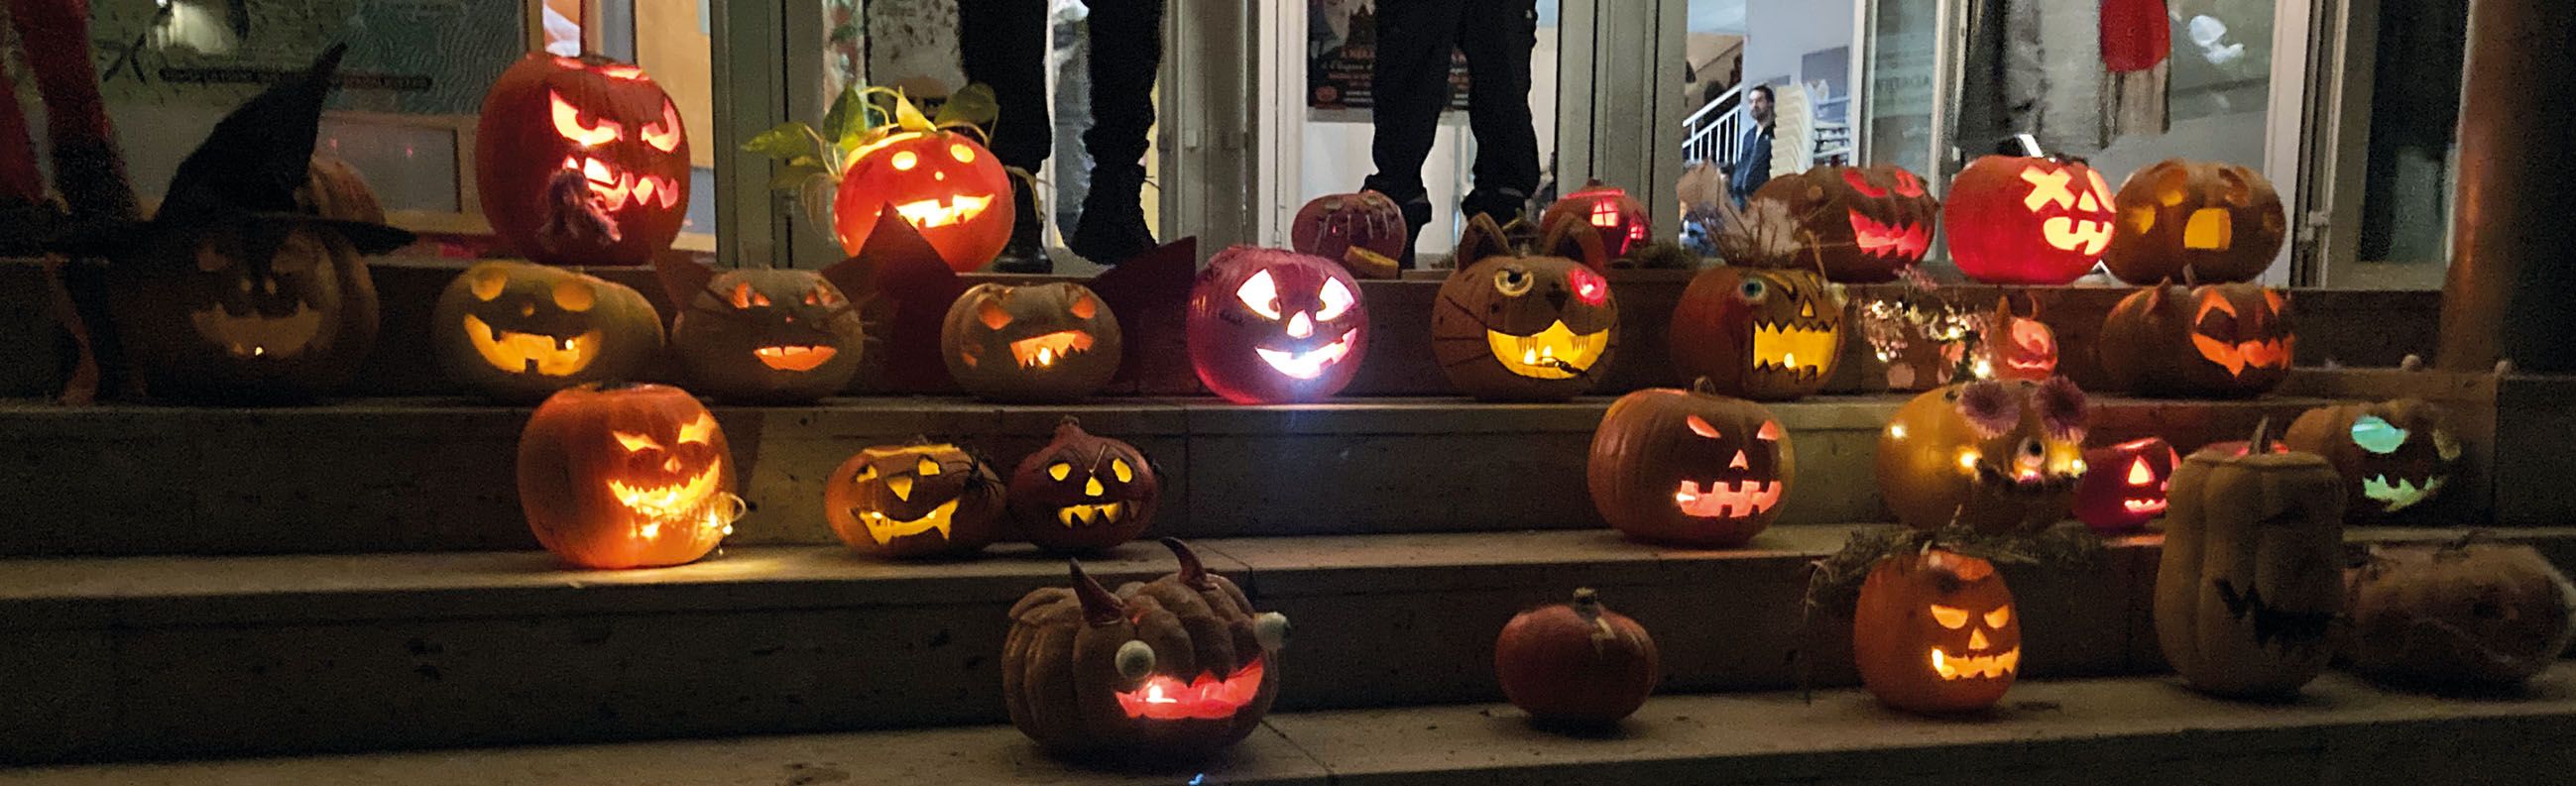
(1554, 353)
(934, 212)
(1800, 350)
(1720, 499)
(1102, 514)
(1952, 667)
(2398, 494)
(1047, 349)
(615, 189)
(256, 336)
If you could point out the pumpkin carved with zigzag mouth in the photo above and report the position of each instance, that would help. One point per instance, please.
(1766, 335)
(2211, 340)
(1083, 492)
(1042, 342)
(918, 500)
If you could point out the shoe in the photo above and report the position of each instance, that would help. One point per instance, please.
(1417, 214)
(1113, 228)
(1026, 253)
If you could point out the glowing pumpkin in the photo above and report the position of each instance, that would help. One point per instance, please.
(2019, 347)
(1268, 326)
(764, 336)
(1690, 467)
(944, 183)
(1866, 224)
(517, 331)
(2213, 340)
(1576, 663)
(581, 161)
(1998, 455)
(2250, 585)
(2201, 222)
(1083, 492)
(1523, 327)
(1174, 668)
(1936, 632)
(2393, 455)
(919, 500)
(1619, 219)
(2019, 220)
(631, 476)
(1041, 342)
(2125, 485)
(1766, 335)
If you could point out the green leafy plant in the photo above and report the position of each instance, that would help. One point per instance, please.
(808, 161)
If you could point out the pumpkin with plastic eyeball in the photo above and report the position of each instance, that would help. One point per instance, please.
(1936, 633)
(581, 161)
(1083, 492)
(2204, 222)
(2020, 220)
(1172, 669)
(1690, 467)
(2215, 340)
(1995, 455)
(1762, 334)
(2393, 455)
(2249, 589)
(2459, 614)
(917, 500)
(1576, 663)
(1523, 326)
(1268, 326)
(626, 476)
(514, 331)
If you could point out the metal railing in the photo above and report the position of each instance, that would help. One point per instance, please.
(1715, 133)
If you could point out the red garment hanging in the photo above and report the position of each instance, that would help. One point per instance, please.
(2135, 35)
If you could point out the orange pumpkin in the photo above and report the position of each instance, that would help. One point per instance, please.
(1576, 663)
(2014, 220)
(2204, 222)
(1620, 219)
(943, 183)
(581, 161)
(631, 476)
(920, 500)
(2212, 340)
(1936, 632)
(1998, 455)
(1690, 467)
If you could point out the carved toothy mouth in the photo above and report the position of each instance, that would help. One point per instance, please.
(1888, 241)
(1310, 363)
(615, 188)
(1102, 514)
(1207, 697)
(883, 529)
(2288, 627)
(2398, 494)
(2144, 507)
(1555, 353)
(936, 212)
(1045, 350)
(533, 353)
(1721, 500)
(673, 504)
(2081, 235)
(256, 336)
(2266, 353)
(1991, 666)
(1799, 350)
(794, 357)
(2023, 481)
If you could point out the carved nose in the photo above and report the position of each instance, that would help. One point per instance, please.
(1300, 327)
(671, 464)
(1977, 640)
(1092, 487)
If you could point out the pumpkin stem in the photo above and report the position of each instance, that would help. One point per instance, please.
(1193, 573)
(1705, 386)
(2261, 442)
(1069, 425)
(1098, 606)
(1587, 602)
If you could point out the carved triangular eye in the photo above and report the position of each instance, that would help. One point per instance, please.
(991, 313)
(1701, 427)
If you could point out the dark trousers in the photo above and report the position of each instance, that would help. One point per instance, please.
(1411, 83)
(1004, 44)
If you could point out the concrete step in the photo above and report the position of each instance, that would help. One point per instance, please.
(411, 475)
(2131, 730)
(158, 657)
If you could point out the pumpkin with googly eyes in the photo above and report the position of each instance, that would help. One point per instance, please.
(2393, 455)
(1523, 327)
(1766, 335)
(1690, 467)
(1083, 492)
(1037, 343)
(1171, 669)
(514, 331)
(1268, 326)
(626, 476)
(917, 500)
(1995, 455)
(763, 336)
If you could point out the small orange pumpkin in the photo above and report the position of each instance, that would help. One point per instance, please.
(1936, 632)
(1576, 663)
(627, 476)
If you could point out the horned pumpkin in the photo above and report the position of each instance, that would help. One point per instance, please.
(2250, 585)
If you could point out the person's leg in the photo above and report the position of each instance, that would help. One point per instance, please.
(1498, 109)
(1003, 44)
(1411, 86)
(1127, 51)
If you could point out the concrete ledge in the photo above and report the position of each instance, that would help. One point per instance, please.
(410, 475)
(159, 657)
(2137, 731)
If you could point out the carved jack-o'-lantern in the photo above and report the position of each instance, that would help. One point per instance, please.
(914, 501)
(1619, 219)
(1083, 492)
(2125, 485)
(1042, 342)
(2251, 580)
(252, 312)
(1865, 223)
(2019, 347)
(1363, 231)
(2461, 614)
(514, 331)
(1269, 326)
(1998, 455)
(1690, 467)
(944, 183)
(1177, 667)
(1513, 327)
(764, 336)
(2200, 222)
(2019, 220)
(626, 476)
(2393, 455)
(1936, 632)
(1766, 335)
(2213, 340)
(581, 161)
